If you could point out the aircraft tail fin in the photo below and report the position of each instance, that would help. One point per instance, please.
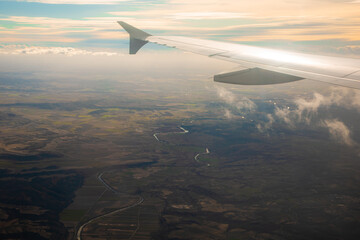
(137, 37)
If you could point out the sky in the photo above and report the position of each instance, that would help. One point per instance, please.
(62, 26)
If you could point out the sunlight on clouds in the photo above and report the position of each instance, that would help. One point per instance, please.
(68, 51)
(251, 21)
(56, 23)
(208, 15)
(60, 30)
(262, 20)
(175, 14)
(339, 131)
(110, 35)
(240, 105)
(273, 9)
(306, 111)
(23, 39)
(89, 64)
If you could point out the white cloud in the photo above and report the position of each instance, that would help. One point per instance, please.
(306, 110)
(348, 50)
(58, 23)
(275, 20)
(307, 107)
(75, 1)
(226, 95)
(177, 13)
(242, 104)
(284, 114)
(208, 15)
(236, 104)
(267, 125)
(339, 96)
(228, 114)
(68, 51)
(339, 131)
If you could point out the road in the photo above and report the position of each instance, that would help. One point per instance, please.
(140, 201)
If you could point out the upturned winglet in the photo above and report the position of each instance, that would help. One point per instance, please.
(137, 37)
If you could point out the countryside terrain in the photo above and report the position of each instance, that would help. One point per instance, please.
(108, 159)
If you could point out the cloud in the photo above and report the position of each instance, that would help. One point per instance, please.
(60, 30)
(228, 114)
(267, 125)
(306, 111)
(59, 23)
(284, 114)
(237, 104)
(226, 95)
(242, 104)
(208, 15)
(75, 1)
(348, 50)
(276, 20)
(307, 108)
(91, 64)
(176, 13)
(339, 96)
(68, 51)
(339, 131)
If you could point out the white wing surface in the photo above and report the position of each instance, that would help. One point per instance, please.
(263, 65)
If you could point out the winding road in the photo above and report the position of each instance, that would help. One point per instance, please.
(108, 187)
(141, 199)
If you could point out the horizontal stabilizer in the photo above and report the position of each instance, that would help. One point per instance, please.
(255, 76)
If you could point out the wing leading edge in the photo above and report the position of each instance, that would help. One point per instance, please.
(264, 66)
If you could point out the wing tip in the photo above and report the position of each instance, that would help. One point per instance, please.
(137, 37)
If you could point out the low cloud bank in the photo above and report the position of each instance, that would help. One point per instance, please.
(242, 104)
(68, 51)
(306, 111)
(339, 131)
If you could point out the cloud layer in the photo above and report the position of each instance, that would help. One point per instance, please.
(325, 26)
(339, 131)
(306, 111)
(239, 105)
(75, 1)
(68, 51)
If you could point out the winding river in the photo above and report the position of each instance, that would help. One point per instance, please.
(141, 199)
(197, 156)
(183, 131)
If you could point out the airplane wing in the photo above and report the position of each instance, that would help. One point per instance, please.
(261, 65)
